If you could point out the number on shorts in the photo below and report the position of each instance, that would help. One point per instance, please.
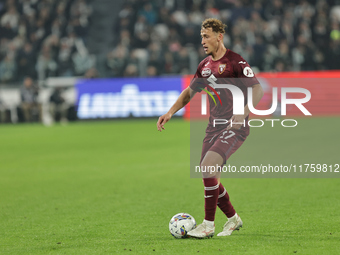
(224, 138)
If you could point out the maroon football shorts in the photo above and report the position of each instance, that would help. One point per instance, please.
(224, 143)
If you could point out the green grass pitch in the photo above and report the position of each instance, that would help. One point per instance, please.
(112, 187)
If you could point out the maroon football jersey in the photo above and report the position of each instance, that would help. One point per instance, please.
(230, 69)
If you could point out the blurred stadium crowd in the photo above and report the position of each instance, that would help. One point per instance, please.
(46, 38)
(43, 38)
(278, 35)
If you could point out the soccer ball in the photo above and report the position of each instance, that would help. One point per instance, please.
(180, 224)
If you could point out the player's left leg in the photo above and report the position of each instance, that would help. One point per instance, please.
(216, 150)
(234, 221)
(223, 201)
(226, 145)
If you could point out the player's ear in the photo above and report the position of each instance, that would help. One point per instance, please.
(220, 37)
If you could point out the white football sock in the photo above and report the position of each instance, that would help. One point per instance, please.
(209, 223)
(232, 218)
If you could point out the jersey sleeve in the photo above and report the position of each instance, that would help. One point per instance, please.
(244, 72)
(197, 81)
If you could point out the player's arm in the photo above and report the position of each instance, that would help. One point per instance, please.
(181, 101)
(257, 95)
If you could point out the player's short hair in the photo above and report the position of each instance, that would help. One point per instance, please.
(216, 25)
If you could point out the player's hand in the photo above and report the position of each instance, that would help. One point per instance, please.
(162, 120)
(236, 122)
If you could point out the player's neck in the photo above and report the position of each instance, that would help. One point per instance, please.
(219, 53)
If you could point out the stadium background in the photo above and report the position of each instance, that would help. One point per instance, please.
(111, 186)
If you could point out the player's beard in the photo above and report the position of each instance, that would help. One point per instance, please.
(209, 52)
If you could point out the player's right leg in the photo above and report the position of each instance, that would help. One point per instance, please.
(211, 192)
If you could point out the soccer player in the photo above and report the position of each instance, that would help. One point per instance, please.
(222, 140)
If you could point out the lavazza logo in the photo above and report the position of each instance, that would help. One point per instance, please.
(238, 104)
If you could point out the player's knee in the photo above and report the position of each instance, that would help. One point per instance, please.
(208, 175)
(208, 171)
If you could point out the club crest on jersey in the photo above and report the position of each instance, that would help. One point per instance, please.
(221, 68)
(206, 72)
(248, 72)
